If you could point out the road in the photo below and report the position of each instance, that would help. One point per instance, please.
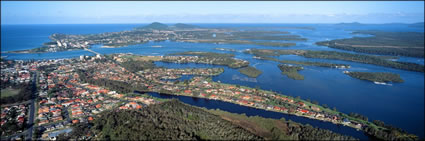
(32, 108)
(29, 131)
(92, 51)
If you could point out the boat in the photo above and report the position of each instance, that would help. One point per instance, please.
(379, 83)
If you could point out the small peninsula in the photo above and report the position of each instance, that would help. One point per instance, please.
(360, 58)
(409, 44)
(377, 77)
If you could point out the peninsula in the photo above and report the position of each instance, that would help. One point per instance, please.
(367, 59)
(384, 43)
(156, 32)
(380, 77)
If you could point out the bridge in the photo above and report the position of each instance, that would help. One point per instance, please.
(92, 51)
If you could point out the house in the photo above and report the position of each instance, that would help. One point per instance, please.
(346, 121)
(315, 108)
(301, 104)
(213, 96)
(187, 91)
(75, 121)
(304, 111)
(246, 97)
(43, 122)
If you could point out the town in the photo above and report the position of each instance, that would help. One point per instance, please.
(71, 91)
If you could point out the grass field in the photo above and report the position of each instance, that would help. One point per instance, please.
(9, 92)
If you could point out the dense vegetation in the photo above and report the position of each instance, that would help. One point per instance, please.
(367, 59)
(250, 71)
(173, 120)
(376, 76)
(386, 43)
(25, 92)
(154, 26)
(170, 120)
(12, 126)
(273, 129)
(204, 54)
(291, 71)
(136, 65)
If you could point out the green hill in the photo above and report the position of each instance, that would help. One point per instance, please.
(185, 26)
(171, 120)
(155, 26)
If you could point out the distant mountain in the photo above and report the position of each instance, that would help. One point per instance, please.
(420, 24)
(181, 25)
(350, 24)
(155, 26)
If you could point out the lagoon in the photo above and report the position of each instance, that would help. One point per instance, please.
(401, 105)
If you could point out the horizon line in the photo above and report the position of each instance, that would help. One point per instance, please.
(206, 23)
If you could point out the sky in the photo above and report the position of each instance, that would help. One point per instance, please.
(97, 12)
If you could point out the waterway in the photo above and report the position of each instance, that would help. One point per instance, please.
(401, 104)
(235, 108)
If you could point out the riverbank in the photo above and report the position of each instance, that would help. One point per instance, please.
(381, 77)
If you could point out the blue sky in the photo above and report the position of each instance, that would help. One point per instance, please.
(69, 12)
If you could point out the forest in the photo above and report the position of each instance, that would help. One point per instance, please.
(291, 71)
(250, 71)
(367, 59)
(170, 120)
(25, 92)
(385, 43)
(279, 129)
(173, 120)
(376, 76)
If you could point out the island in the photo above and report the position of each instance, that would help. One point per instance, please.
(360, 58)
(250, 71)
(305, 63)
(291, 71)
(376, 77)
(384, 43)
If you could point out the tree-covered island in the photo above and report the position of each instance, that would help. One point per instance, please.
(382, 77)
(367, 59)
(250, 71)
(384, 43)
(291, 71)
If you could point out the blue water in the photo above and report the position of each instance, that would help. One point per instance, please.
(401, 104)
(234, 108)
